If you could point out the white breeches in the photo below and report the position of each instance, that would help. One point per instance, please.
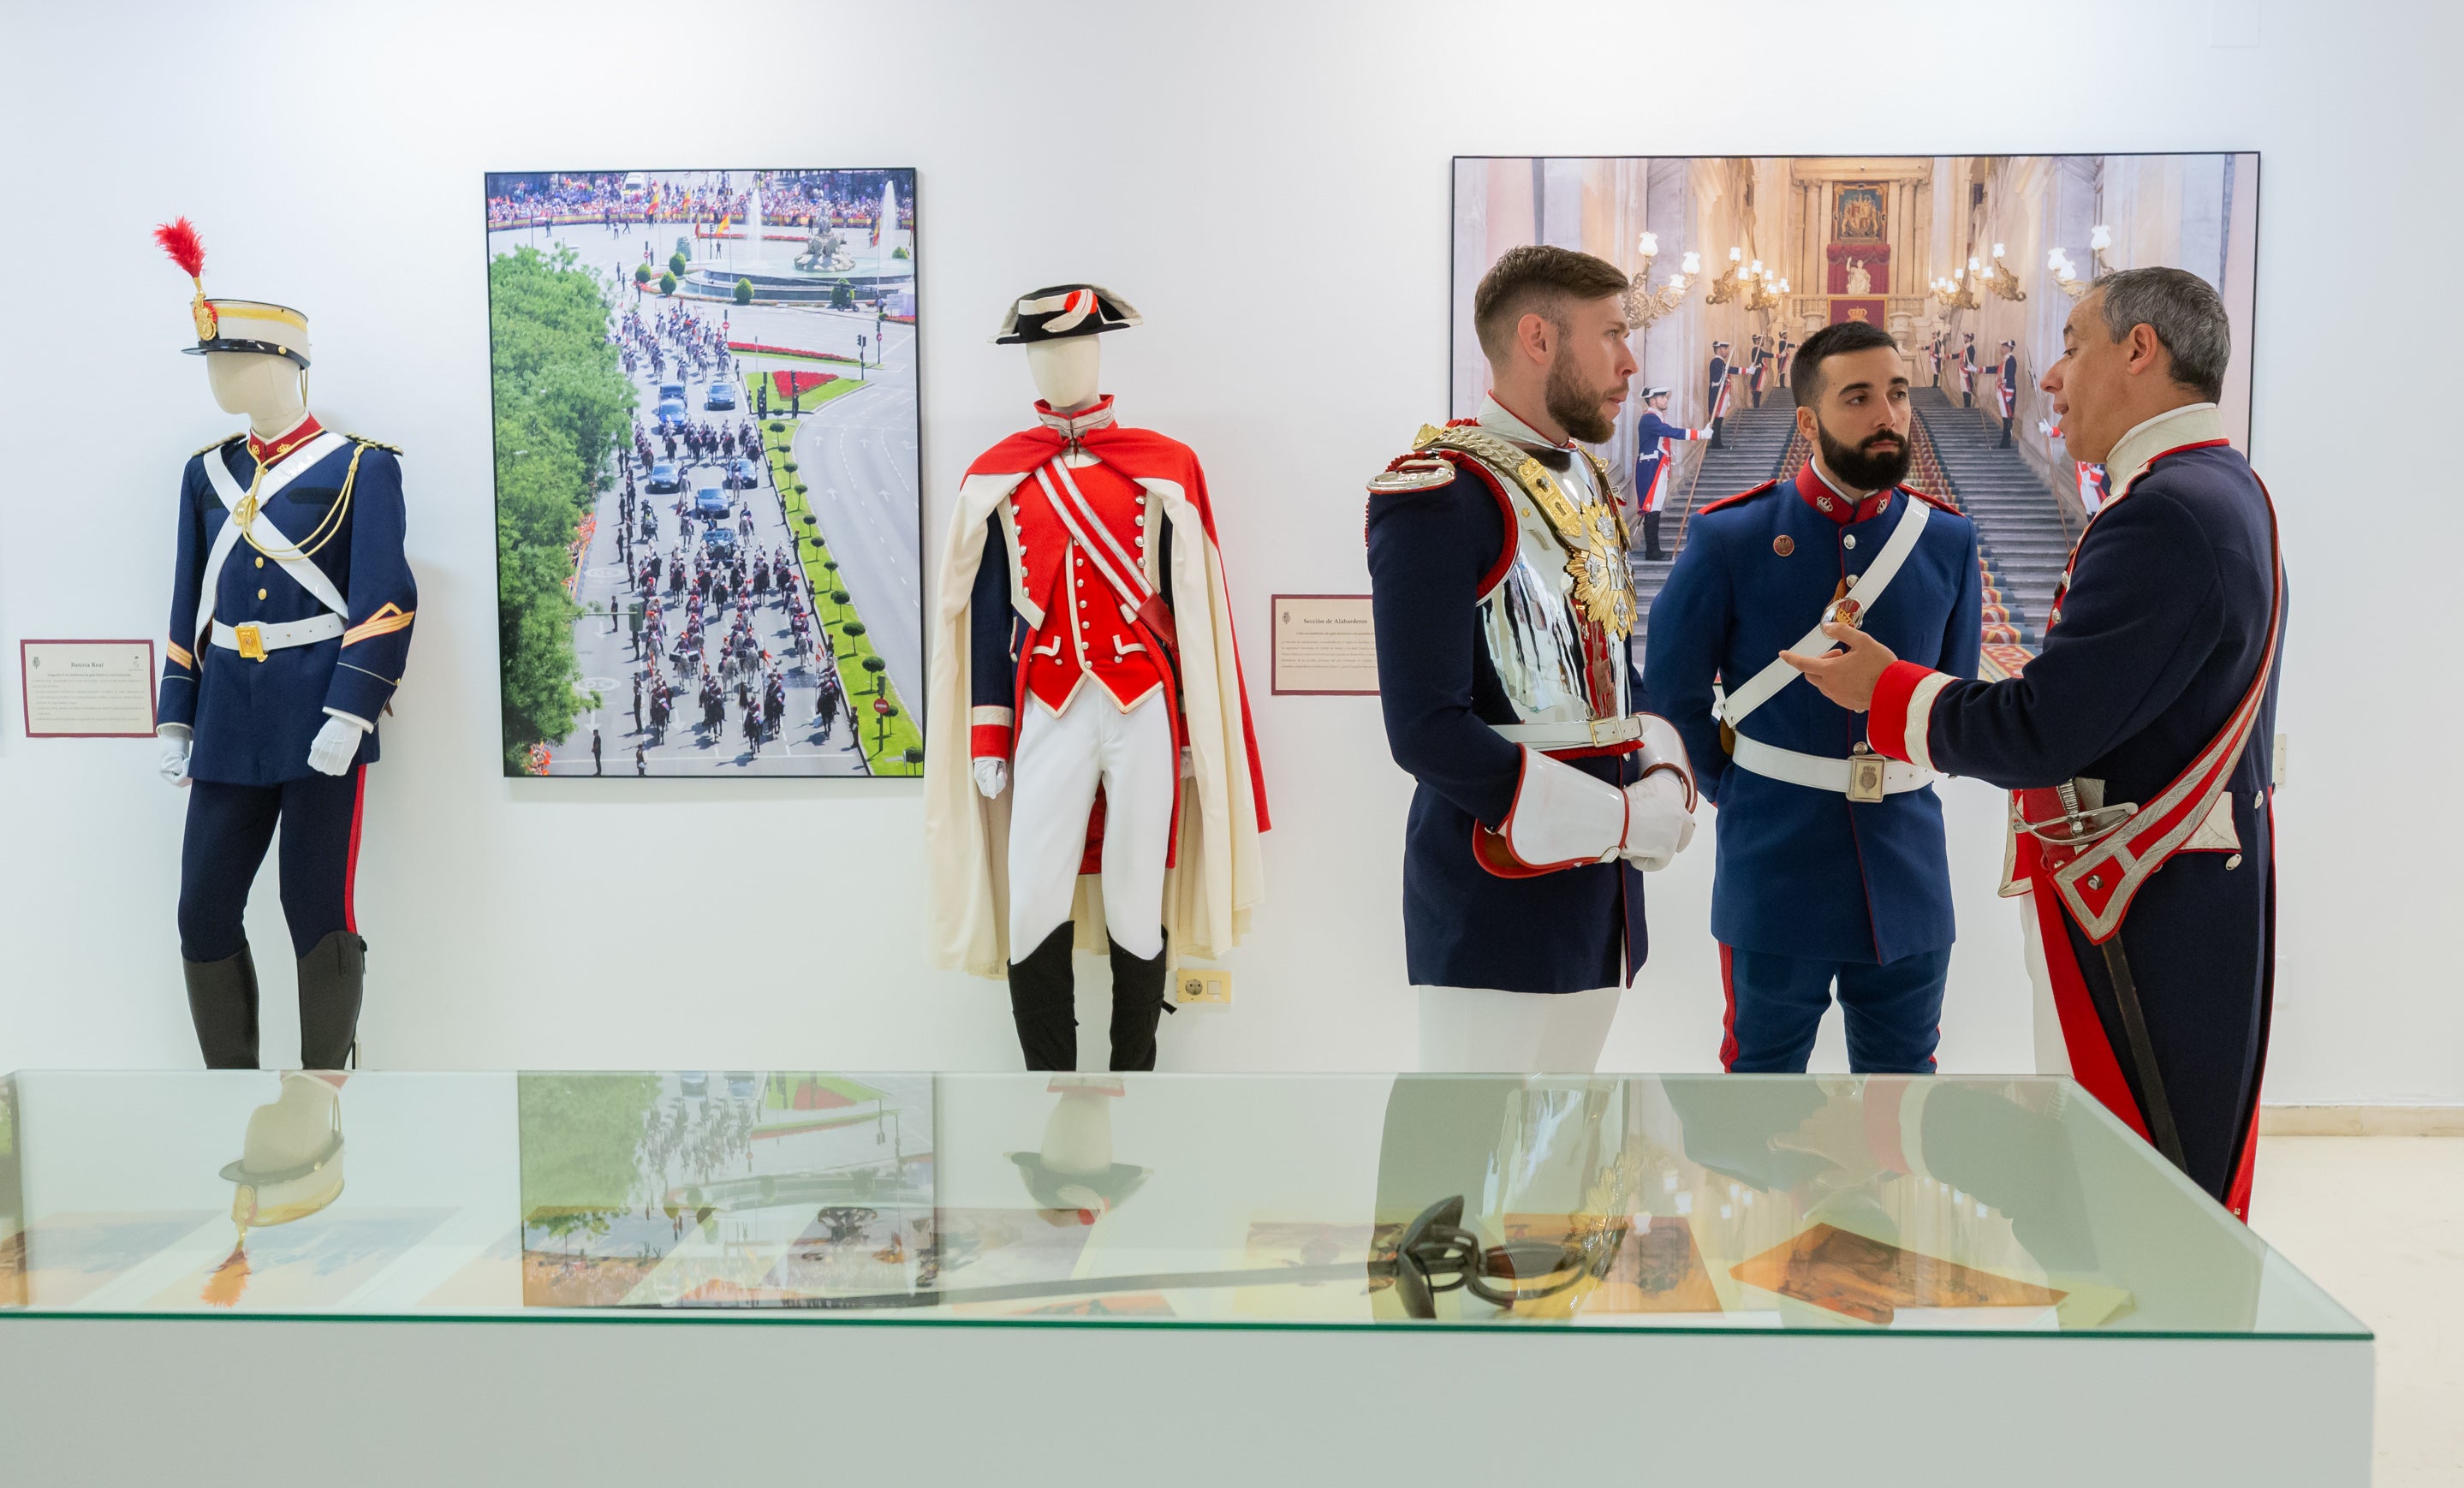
(1472, 1029)
(1060, 762)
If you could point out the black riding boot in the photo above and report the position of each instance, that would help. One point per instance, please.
(1651, 537)
(1137, 1006)
(222, 1002)
(332, 976)
(1043, 1001)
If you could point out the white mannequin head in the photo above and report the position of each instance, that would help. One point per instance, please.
(1066, 371)
(268, 389)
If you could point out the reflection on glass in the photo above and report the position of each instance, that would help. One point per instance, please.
(2005, 1206)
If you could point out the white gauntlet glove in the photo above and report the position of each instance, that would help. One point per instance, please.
(992, 777)
(176, 743)
(1660, 821)
(336, 745)
(1660, 806)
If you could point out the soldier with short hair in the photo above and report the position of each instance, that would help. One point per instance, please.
(1503, 602)
(2139, 743)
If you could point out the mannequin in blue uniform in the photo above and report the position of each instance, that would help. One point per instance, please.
(2138, 741)
(290, 614)
(1832, 865)
(1504, 603)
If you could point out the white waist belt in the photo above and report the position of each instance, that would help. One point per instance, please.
(1590, 733)
(1818, 772)
(282, 637)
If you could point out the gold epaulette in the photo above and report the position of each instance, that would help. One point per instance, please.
(216, 445)
(373, 444)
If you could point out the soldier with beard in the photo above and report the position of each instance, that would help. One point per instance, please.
(1504, 603)
(1831, 860)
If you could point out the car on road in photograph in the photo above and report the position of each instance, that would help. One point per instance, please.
(710, 503)
(739, 475)
(670, 413)
(720, 543)
(721, 395)
(664, 479)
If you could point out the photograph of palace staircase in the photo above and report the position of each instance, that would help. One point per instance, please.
(2023, 534)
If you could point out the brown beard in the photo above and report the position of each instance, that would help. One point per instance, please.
(1576, 406)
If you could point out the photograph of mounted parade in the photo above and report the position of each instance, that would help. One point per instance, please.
(1970, 262)
(709, 507)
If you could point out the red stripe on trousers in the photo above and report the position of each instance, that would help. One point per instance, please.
(351, 863)
(1728, 1017)
(2093, 1063)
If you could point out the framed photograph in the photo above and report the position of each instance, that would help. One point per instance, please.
(709, 509)
(1972, 262)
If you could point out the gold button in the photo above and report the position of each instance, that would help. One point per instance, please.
(260, 594)
(261, 562)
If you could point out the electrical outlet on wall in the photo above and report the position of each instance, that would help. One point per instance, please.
(1193, 984)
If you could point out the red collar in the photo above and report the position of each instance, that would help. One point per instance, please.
(271, 452)
(1817, 493)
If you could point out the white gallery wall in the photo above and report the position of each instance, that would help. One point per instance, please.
(1269, 182)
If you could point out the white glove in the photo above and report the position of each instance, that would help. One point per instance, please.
(174, 763)
(1659, 826)
(335, 747)
(992, 777)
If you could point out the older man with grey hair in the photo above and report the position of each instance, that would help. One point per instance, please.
(2138, 745)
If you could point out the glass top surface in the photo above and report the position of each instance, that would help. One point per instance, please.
(1874, 1205)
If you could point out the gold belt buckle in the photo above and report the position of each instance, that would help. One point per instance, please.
(1600, 740)
(251, 641)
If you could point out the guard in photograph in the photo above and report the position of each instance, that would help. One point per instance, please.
(1655, 460)
(1832, 865)
(1092, 772)
(1503, 601)
(2005, 387)
(2138, 744)
(291, 615)
(1718, 397)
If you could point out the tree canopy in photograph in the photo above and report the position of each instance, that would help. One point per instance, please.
(561, 400)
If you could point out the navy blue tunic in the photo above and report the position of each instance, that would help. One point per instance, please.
(1805, 872)
(1571, 930)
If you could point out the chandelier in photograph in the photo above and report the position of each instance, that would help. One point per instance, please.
(1645, 304)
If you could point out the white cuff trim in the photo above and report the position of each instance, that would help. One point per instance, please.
(1920, 719)
(353, 719)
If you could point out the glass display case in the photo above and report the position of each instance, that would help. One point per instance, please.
(1361, 1274)
(1682, 1202)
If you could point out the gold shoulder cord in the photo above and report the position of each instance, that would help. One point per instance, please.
(326, 530)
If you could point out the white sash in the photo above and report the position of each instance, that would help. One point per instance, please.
(306, 573)
(1764, 684)
(1127, 581)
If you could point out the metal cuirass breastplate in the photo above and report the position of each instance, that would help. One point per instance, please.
(1535, 632)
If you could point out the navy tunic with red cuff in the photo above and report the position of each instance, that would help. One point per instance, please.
(2155, 639)
(1805, 872)
(1432, 553)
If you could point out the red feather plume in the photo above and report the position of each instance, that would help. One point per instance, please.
(180, 240)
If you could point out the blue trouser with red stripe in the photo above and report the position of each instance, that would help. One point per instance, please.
(230, 826)
(1776, 1003)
